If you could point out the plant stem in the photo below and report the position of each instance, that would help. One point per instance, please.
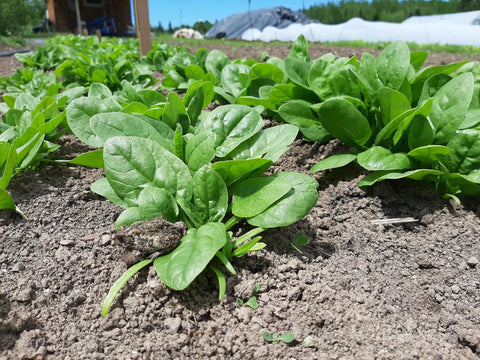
(247, 236)
(234, 220)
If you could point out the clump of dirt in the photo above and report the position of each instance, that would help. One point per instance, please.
(357, 291)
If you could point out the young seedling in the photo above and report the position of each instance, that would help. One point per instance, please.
(276, 337)
(252, 302)
(299, 240)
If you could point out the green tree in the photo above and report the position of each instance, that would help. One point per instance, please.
(202, 26)
(18, 17)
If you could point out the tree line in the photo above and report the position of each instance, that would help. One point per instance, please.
(386, 10)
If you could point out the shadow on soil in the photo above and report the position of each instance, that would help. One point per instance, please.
(7, 337)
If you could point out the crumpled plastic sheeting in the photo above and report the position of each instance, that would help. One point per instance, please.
(435, 30)
(234, 26)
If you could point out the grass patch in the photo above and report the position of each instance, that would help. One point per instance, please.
(465, 50)
(236, 43)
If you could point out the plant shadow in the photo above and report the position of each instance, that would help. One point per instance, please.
(8, 337)
(407, 198)
(279, 240)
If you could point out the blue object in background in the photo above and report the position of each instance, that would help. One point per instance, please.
(106, 25)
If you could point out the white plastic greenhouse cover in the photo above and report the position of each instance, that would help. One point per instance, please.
(452, 29)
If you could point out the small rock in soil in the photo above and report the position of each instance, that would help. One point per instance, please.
(470, 338)
(28, 343)
(173, 325)
(17, 267)
(76, 298)
(455, 289)
(308, 341)
(67, 242)
(243, 314)
(18, 321)
(41, 352)
(105, 240)
(472, 261)
(24, 292)
(148, 237)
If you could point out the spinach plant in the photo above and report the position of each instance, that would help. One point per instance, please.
(108, 68)
(200, 168)
(160, 54)
(182, 69)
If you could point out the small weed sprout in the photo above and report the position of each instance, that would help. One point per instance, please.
(276, 337)
(299, 240)
(252, 302)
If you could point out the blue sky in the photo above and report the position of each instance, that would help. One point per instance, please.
(191, 11)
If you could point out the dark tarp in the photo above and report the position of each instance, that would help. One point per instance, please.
(234, 26)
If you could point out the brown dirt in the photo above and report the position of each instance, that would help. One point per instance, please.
(8, 64)
(359, 291)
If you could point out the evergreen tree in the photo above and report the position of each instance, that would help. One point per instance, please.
(160, 28)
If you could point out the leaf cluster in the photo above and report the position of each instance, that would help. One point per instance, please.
(400, 121)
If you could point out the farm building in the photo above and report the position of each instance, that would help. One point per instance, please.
(111, 16)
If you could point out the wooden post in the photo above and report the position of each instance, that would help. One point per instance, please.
(142, 23)
(79, 18)
(99, 35)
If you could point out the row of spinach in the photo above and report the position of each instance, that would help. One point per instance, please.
(400, 120)
(35, 97)
(163, 156)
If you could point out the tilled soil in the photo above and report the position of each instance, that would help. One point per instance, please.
(8, 63)
(358, 291)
